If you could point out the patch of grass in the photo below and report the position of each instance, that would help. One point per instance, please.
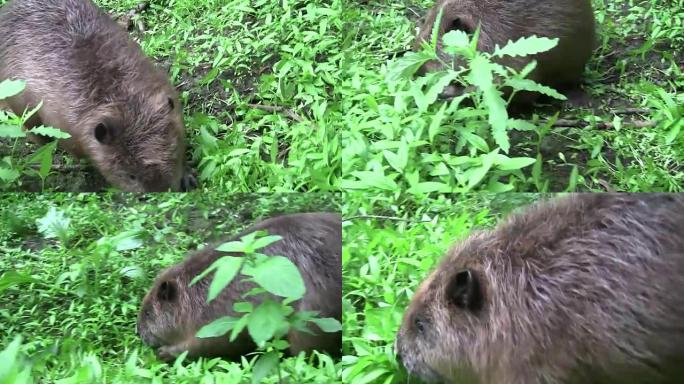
(76, 266)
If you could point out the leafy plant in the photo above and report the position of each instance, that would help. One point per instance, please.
(11, 168)
(268, 322)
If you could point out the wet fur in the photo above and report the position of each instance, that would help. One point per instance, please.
(572, 21)
(313, 241)
(86, 70)
(579, 289)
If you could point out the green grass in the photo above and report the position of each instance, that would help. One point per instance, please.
(234, 61)
(384, 261)
(76, 312)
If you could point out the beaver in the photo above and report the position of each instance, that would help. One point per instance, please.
(571, 21)
(582, 289)
(95, 83)
(172, 312)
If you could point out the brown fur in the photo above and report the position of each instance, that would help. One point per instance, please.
(572, 21)
(96, 84)
(581, 289)
(312, 241)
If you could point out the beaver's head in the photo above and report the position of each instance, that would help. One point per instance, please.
(444, 325)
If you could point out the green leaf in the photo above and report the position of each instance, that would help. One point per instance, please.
(508, 164)
(9, 88)
(406, 66)
(263, 323)
(54, 224)
(50, 132)
(436, 122)
(132, 272)
(127, 240)
(8, 175)
(328, 324)
(455, 40)
(11, 131)
(232, 246)
(526, 46)
(218, 327)
(265, 241)
(529, 85)
(227, 268)
(43, 156)
(264, 366)
(12, 278)
(279, 276)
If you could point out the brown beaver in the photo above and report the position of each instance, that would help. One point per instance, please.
(172, 312)
(582, 289)
(95, 83)
(571, 21)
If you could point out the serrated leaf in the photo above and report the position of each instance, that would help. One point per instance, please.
(455, 40)
(9, 88)
(279, 276)
(43, 156)
(50, 132)
(218, 327)
(11, 131)
(526, 46)
(529, 85)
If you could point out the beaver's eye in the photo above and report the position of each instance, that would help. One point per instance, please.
(419, 324)
(132, 177)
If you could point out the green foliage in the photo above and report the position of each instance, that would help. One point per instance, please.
(408, 139)
(12, 167)
(74, 302)
(270, 321)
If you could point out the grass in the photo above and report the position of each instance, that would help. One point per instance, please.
(257, 82)
(385, 259)
(72, 289)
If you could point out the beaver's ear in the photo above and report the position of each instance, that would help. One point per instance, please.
(464, 290)
(168, 291)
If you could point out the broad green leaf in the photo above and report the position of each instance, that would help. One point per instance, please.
(263, 323)
(125, 241)
(11, 131)
(406, 66)
(232, 246)
(264, 366)
(508, 164)
(428, 187)
(264, 241)
(12, 278)
(279, 276)
(218, 327)
(227, 269)
(9, 88)
(8, 175)
(327, 324)
(526, 46)
(43, 156)
(436, 123)
(50, 132)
